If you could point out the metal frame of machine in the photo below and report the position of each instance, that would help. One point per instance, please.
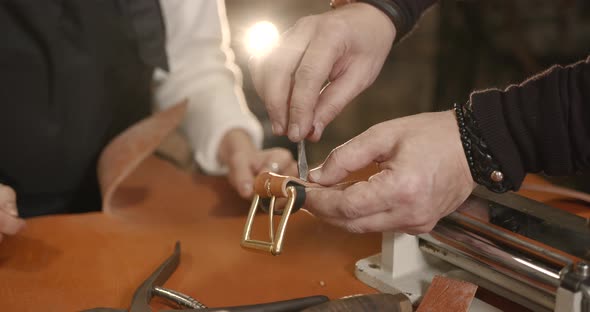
(522, 270)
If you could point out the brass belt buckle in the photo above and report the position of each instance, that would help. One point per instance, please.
(272, 186)
(275, 244)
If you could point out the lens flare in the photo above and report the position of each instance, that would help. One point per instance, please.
(261, 38)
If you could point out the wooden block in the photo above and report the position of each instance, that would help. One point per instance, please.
(369, 303)
(447, 295)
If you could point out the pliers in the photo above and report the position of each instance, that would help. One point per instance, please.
(152, 286)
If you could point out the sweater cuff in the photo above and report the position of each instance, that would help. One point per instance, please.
(487, 107)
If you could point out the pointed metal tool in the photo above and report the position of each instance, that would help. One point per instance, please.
(302, 161)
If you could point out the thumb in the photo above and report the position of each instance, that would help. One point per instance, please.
(353, 155)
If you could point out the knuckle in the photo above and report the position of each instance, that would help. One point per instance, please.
(305, 72)
(298, 108)
(272, 107)
(349, 209)
(408, 193)
(374, 129)
(336, 157)
(355, 228)
(329, 112)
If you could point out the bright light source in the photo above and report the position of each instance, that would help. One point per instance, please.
(261, 37)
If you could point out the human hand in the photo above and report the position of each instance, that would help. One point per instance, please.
(424, 176)
(10, 224)
(346, 46)
(245, 161)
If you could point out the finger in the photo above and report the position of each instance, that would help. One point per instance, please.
(371, 145)
(387, 202)
(8, 200)
(277, 71)
(380, 222)
(241, 176)
(336, 96)
(9, 224)
(291, 170)
(353, 202)
(255, 69)
(280, 157)
(312, 73)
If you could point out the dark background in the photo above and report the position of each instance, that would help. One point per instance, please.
(457, 47)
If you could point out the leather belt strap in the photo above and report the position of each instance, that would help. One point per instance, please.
(269, 184)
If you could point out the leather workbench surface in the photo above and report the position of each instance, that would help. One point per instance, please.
(74, 262)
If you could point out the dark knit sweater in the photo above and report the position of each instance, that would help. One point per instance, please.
(540, 125)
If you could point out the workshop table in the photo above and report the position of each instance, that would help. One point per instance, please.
(74, 262)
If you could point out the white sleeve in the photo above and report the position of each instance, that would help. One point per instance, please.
(202, 69)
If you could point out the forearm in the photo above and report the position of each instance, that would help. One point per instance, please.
(203, 71)
(542, 124)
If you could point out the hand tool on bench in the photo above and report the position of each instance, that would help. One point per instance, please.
(152, 287)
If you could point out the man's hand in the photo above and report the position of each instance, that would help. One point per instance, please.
(9, 222)
(346, 47)
(424, 176)
(245, 161)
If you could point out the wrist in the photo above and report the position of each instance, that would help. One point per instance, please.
(399, 24)
(387, 8)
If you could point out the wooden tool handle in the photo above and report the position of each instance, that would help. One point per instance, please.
(372, 303)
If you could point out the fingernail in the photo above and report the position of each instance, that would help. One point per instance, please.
(318, 128)
(294, 132)
(247, 189)
(277, 129)
(10, 208)
(315, 174)
(311, 131)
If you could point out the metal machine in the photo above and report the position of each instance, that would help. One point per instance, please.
(532, 254)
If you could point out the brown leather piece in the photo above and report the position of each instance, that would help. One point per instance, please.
(126, 151)
(447, 295)
(537, 188)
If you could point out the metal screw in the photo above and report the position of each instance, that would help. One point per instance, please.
(582, 269)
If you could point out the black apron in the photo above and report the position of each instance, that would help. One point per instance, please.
(73, 74)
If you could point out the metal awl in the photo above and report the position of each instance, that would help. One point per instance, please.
(302, 160)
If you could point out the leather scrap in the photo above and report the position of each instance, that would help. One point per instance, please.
(126, 151)
(447, 295)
